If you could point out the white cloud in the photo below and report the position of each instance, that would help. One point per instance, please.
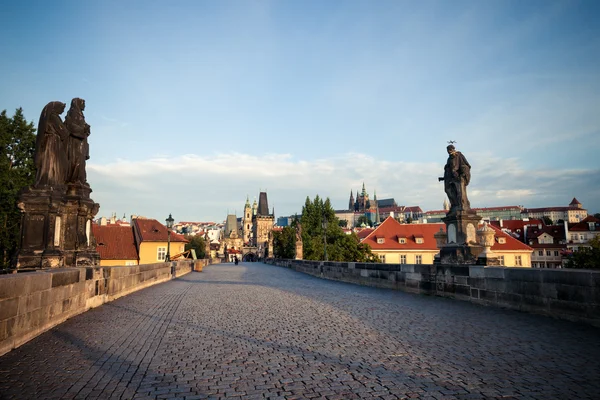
(195, 187)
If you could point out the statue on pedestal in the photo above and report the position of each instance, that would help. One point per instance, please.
(57, 212)
(459, 244)
(457, 175)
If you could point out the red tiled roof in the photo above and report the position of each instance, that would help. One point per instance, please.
(556, 231)
(390, 230)
(150, 230)
(115, 242)
(511, 244)
(583, 225)
(517, 226)
(574, 201)
(416, 209)
(363, 233)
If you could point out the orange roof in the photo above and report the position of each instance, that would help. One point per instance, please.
(390, 230)
(114, 242)
(583, 225)
(511, 244)
(150, 230)
(363, 233)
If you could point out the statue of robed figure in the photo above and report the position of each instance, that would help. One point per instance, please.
(51, 147)
(78, 149)
(457, 175)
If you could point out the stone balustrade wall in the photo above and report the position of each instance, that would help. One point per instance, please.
(33, 302)
(562, 293)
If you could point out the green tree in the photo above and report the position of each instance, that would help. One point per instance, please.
(546, 220)
(284, 243)
(197, 243)
(343, 223)
(597, 215)
(362, 220)
(17, 170)
(586, 258)
(321, 232)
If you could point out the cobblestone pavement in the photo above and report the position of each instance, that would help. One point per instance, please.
(260, 331)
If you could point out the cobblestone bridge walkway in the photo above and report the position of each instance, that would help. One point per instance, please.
(259, 331)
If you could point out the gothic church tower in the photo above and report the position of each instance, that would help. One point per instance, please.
(247, 222)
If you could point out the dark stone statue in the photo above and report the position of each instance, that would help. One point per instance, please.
(457, 175)
(50, 147)
(57, 211)
(78, 149)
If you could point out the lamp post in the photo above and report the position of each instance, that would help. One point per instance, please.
(169, 222)
(325, 234)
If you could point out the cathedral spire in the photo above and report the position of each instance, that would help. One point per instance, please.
(351, 201)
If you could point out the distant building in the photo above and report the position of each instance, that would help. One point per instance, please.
(572, 214)
(257, 225)
(363, 205)
(151, 239)
(145, 241)
(579, 234)
(548, 243)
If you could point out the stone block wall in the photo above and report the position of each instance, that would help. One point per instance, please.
(33, 302)
(562, 293)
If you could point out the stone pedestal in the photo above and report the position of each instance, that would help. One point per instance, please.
(56, 228)
(461, 241)
(486, 238)
(298, 250)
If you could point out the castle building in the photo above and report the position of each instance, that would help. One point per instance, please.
(362, 204)
(256, 228)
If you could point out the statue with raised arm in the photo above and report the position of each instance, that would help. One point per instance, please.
(457, 175)
(50, 147)
(78, 149)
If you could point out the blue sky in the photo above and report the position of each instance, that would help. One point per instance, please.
(195, 104)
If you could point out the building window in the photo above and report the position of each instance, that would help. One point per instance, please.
(380, 240)
(555, 253)
(419, 240)
(501, 259)
(402, 240)
(382, 258)
(161, 253)
(403, 259)
(541, 253)
(548, 253)
(130, 262)
(518, 261)
(501, 240)
(418, 259)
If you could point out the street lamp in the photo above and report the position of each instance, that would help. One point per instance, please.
(169, 222)
(325, 235)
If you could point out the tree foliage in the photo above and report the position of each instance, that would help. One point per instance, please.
(17, 170)
(284, 243)
(546, 220)
(362, 220)
(586, 258)
(197, 243)
(318, 237)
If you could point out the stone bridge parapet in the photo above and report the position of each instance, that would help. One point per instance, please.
(33, 302)
(562, 293)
